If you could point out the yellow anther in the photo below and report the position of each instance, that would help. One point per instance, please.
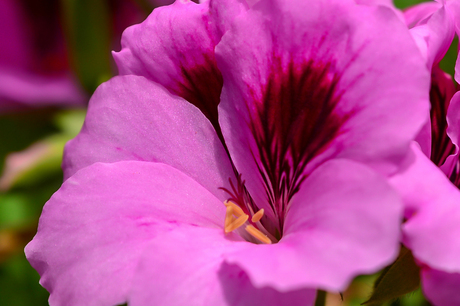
(258, 234)
(236, 223)
(237, 211)
(257, 216)
(229, 216)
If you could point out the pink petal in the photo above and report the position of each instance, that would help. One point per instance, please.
(453, 8)
(94, 229)
(435, 36)
(326, 78)
(432, 211)
(185, 267)
(441, 288)
(453, 119)
(132, 118)
(174, 47)
(420, 12)
(452, 164)
(386, 3)
(343, 222)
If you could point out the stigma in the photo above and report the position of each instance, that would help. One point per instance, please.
(235, 218)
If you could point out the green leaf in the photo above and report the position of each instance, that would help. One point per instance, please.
(402, 4)
(396, 280)
(88, 35)
(448, 62)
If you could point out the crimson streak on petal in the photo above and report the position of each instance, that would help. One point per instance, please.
(201, 85)
(294, 122)
(441, 92)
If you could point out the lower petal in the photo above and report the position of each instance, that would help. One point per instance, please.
(96, 226)
(441, 288)
(432, 211)
(343, 222)
(186, 266)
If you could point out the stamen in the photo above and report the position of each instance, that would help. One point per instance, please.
(257, 216)
(236, 223)
(229, 216)
(237, 211)
(257, 234)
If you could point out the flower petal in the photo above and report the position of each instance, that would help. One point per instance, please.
(174, 47)
(452, 165)
(420, 12)
(300, 87)
(94, 229)
(432, 211)
(343, 222)
(441, 288)
(132, 118)
(186, 267)
(453, 8)
(435, 36)
(453, 119)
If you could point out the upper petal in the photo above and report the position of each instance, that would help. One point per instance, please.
(453, 8)
(174, 47)
(132, 118)
(420, 12)
(343, 222)
(453, 119)
(435, 35)
(305, 81)
(94, 229)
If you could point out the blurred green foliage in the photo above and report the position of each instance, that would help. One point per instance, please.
(88, 34)
(22, 202)
(402, 4)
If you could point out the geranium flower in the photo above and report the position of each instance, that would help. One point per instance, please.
(240, 158)
(433, 201)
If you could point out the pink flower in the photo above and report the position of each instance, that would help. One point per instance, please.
(34, 68)
(34, 65)
(433, 201)
(292, 113)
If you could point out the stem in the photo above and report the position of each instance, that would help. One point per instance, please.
(320, 298)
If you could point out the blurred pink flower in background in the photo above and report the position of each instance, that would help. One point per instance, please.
(35, 68)
(300, 108)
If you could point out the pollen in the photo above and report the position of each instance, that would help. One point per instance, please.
(237, 211)
(257, 216)
(229, 218)
(254, 232)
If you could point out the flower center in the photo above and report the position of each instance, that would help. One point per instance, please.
(294, 122)
(235, 218)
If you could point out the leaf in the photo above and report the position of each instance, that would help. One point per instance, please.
(398, 279)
